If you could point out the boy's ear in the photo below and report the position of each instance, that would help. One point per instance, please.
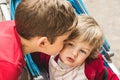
(42, 41)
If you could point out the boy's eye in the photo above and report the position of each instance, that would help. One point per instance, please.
(69, 44)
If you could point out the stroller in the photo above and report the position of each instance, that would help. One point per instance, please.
(80, 8)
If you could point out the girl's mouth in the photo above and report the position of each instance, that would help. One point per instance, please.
(70, 59)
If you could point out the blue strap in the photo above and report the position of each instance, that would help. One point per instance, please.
(29, 65)
(13, 5)
(78, 6)
(32, 66)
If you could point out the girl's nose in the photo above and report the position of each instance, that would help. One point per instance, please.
(75, 53)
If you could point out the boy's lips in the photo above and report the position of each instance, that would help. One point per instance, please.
(70, 59)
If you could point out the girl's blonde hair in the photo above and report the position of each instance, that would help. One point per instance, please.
(89, 31)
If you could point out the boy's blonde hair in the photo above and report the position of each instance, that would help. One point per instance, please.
(50, 18)
(89, 31)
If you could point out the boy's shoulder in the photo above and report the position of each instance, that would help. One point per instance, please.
(8, 23)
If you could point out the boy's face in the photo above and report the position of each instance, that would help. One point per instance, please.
(54, 49)
(75, 52)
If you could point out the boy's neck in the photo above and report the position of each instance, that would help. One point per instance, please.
(26, 45)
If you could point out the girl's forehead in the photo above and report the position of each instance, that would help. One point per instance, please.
(80, 39)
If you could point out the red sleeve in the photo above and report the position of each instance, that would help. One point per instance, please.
(95, 69)
(112, 75)
(8, 71)
(101, 70)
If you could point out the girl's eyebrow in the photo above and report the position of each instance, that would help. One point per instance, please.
(86, 49)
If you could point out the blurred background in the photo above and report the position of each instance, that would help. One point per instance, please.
(107, 14)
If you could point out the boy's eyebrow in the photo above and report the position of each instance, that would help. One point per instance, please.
(66, 40)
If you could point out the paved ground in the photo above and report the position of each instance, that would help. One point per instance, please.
(107, 14)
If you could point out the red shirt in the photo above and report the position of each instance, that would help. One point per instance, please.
(11, 56)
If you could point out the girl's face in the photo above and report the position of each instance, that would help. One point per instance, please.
(75, 52)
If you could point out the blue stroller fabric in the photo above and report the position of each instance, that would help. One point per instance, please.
(13, 5)
(78, 6)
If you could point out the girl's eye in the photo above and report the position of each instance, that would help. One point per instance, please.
(83, 51)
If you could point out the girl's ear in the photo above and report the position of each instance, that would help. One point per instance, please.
(42, 41)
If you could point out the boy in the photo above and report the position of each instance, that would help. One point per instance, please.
(79, 59)
(39, 26)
